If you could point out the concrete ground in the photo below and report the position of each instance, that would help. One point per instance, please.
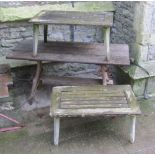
(77, 135)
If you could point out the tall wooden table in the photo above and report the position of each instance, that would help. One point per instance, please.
(89, 53)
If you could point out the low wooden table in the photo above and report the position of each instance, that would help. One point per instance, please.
(74, 101)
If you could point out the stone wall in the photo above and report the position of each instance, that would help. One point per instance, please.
(141, 74)
(13, 32)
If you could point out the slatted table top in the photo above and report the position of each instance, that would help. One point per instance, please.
(93, 101)
(74, 18)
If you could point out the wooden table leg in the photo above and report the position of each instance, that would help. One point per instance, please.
(107, 41)
(36, 81)
(104, 74)
(45, 33)
(56, 130)
(132, 129)
(35, 38)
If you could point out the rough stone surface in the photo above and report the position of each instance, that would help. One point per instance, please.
(77, 135)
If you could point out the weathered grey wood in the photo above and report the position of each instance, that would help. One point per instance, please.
(98, 88)
(72, 52)
(111, 98)
(133, 129)
(56, 130)
(35, 81)
(66, 101)
(69, 81)
(90, 104)
(35, 39)
(45, 33)
(104, 74)
(107, 42)
(74, 18)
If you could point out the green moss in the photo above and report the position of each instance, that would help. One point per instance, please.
(27, 12)
(7, 136)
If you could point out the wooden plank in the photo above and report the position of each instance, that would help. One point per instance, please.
(98, 88)
(74, 18)
(93, 112)
(4, 91)
(102, 105)
(91, 95)
(72, 52)
(92, 98)
(69, 81)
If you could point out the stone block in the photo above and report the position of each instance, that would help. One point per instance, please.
(139, 87)
(139, 52)
(151, 53)
(143, 21)
(145, 38)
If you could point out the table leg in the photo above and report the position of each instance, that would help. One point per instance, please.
(56, 130)
(107, 42)
(36, 81)
(45, 33)
(35, 38)
(104, 74)
(133, 128)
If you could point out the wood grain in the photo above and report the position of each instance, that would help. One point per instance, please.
(93, 53)
(74, 18)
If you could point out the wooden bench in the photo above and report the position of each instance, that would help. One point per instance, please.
(75, 101)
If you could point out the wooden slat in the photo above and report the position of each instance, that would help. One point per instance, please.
(69, 81)
(92, 95)
(102, 105)
(94, 112)
(94, 53)
(105, 98)
(74, 18)
(97, 88)
(93, 102)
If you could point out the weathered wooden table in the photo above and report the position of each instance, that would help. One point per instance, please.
(92, 53)
(81, 101)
